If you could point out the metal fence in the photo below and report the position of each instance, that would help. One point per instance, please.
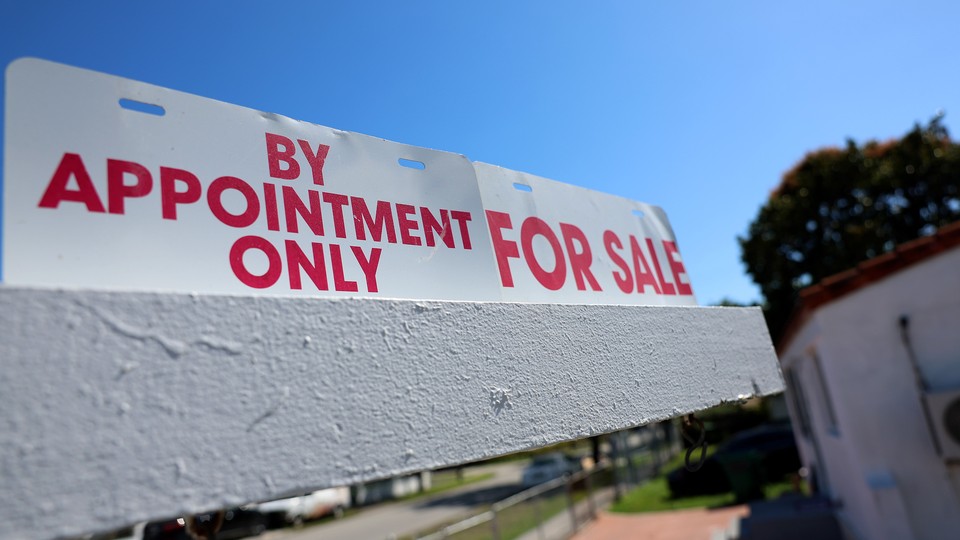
(551, 510)
(559, 508)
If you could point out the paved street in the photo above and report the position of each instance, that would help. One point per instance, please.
(400, 518)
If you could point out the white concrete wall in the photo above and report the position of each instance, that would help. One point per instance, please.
(881, 461)
(830, 452)
(794, 359)
(120, 407)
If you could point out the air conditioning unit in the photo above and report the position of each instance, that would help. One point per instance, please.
(945, 415)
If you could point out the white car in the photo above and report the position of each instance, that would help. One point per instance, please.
(314, 505)
(546, 467)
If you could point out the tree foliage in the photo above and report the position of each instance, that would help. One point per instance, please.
(841, 206)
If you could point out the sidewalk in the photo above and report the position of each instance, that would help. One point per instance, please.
(693, 524)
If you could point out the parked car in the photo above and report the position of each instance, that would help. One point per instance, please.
(283, 512)
(773, 445)
(237, 523)
(546, 467)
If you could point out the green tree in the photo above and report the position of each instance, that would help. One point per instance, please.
(841, 206)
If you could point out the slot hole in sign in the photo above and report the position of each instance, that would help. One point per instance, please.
(522, 187)
(638, 213)
(411, 164)
(139, 106)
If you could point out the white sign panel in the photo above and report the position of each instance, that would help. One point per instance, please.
(119, 185)
(551, 238)
(211, 197)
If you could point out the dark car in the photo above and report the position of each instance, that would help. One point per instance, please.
(773, 446)
(237, 523)
(546, 467)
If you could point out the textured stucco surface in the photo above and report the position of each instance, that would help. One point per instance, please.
(880, 429)
(119, 407)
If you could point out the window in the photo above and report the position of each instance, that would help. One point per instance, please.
(827, 402)
(799, 401)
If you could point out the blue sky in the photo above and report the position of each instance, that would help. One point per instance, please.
(698, 107)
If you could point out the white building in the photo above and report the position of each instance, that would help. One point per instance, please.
(872, 362)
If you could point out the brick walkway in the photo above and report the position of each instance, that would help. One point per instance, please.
(693, 524)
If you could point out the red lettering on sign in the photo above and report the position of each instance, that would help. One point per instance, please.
(676, 266)
(644, 273)
(665, 285)
(406, 224)
(293, 206)
(71, 166)
(363, 221)
(462, 218)
(337, 202)
(575, 245)
(431, 226)
(274, 267)
(170, 197)
(271, 209)
(553, 280)
(316, 265)
(117, 191)
(297, 260)
(580, 259)
(315, 159)
(275, 156)
(339, 282)
(281, 150)
(215, 202)
(368, 266)
(623, 278)
(323, 263)
(641, 269)
(503, 249)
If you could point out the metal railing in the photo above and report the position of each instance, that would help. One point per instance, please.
(560, 507)
(533, 510)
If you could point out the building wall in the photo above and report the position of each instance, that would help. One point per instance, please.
(824, 444)
(879, 454)
(388, 489)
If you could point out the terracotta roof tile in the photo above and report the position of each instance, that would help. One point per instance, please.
(870, 271)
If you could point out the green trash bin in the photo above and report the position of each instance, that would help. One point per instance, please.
(745, 472)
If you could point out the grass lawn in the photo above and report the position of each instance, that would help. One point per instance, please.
(654, 496)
